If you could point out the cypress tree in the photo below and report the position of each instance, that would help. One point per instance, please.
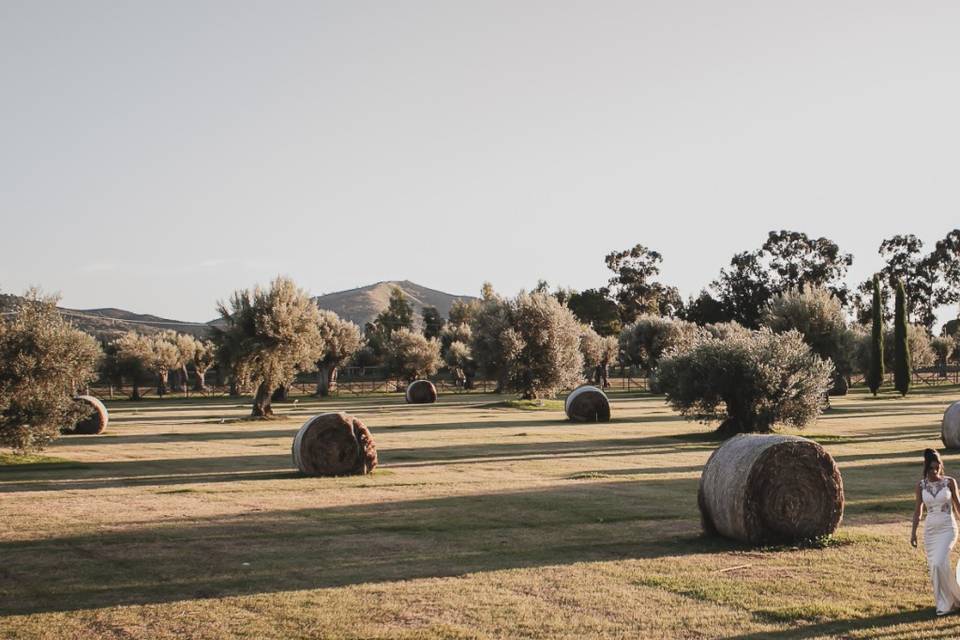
(901, 348)
(875, 375)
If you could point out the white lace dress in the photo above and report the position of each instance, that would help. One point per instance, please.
(939, 536)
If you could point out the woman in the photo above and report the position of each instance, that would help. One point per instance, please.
(938, 493)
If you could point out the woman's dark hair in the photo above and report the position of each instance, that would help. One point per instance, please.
(930, 456)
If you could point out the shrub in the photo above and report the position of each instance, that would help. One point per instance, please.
(749, 381)
(44, 361)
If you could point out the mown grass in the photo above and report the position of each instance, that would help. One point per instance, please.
(485, 519)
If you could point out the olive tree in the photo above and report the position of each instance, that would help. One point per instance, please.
(134, 353)
(204, 357)
(749, 381)
(268, 336)
(598, 352)
(542, 346)
(818, 315)
(341, 339)
(411, 355)
(164, 356)
(644, 341)
(44, 361)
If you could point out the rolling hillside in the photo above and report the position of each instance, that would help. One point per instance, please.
(363, 304)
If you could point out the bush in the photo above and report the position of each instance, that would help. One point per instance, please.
(44, 361)
(749, 381)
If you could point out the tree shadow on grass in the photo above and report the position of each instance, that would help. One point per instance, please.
(270, 551)
(947, 628)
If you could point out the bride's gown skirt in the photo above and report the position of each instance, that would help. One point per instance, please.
(939, 536)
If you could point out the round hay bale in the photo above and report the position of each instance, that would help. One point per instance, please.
(770, 489)
(587, 404)
(421, 392)
(950, 429)
(334, 444)
(97, 419)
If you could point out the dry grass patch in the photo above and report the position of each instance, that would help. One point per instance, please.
(179, 522)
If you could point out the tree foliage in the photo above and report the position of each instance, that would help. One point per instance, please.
(340, 339)
(595, 308)
(488, 328)
(875, 373)
(817, 314)
(646, 340)
(411, 355)
(44, 361)
(134, 357)
(633, 285)
(432, 322)
(787, 260)
(542, 346)
(748, 380)
(901, 346)
(269, 335)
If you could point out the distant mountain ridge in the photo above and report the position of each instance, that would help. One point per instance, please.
(360, 305)
(363, 304)
(111, 323)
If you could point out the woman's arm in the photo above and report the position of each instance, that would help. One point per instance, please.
(917, 510)
(952, 483)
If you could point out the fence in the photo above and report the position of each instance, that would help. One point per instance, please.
(350, 381)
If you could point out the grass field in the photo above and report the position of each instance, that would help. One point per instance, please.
(485, 519)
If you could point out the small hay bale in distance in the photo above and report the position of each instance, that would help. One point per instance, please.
(334, 444)
(764, 489)
(950, 429)
(96, 420)
(587, 404)
(421, 392)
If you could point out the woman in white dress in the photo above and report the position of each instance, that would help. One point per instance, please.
(938, 494)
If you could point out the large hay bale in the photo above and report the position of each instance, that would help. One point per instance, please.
(334, 444)
(770, 489)
(587, 404)
(950, 429)
(421, 392)
(96, 420)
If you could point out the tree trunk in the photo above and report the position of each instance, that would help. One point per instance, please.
(605, 376)
(323, 382)
(184, 378)
(261, 402)
(161, 383)
(234, 389)
(468, 377)
(200, 384)
(135, 394)
(281, 393)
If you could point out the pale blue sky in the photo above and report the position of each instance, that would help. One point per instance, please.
(157, 155)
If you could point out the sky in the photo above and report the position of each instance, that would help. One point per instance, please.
(155, 156)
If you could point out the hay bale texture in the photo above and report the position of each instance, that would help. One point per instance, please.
(334, 444)
(587, 404)
(421, 392)
(96, 420)
(950, 429)
(770, 489)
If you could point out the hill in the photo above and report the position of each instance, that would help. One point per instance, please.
(363, 304)
(111, 323)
